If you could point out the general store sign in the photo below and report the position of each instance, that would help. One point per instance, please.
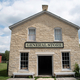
(44, 45)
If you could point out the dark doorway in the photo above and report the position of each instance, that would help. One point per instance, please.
(44, 65)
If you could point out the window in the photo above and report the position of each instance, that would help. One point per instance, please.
(31, 34)
(24, 61)
(58, 34)
(65, 60)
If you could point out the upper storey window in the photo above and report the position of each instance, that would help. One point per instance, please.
(58, 34)
(31, 34)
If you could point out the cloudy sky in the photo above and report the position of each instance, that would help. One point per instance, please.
(12, 11)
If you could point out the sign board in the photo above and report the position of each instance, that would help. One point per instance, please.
(44, 45)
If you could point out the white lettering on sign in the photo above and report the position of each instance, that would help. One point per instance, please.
(44, 44)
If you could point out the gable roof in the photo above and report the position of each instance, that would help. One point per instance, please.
(40, 13)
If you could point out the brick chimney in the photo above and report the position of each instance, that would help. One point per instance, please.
(44, 7)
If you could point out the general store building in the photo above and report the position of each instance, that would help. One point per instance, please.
(43, 44)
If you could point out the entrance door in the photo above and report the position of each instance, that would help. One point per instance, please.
(44, 65)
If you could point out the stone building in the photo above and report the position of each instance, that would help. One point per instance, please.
(43, 44)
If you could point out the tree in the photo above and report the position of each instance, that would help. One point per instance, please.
(5, 56)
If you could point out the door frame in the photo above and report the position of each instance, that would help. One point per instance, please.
(52, 62)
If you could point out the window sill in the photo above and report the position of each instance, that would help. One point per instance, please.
(57, 41)
(23, 70)
(66, 70)
(31, 41)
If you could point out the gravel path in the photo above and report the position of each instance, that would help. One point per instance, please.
(45, 79)
(66, 78)
(19, 79)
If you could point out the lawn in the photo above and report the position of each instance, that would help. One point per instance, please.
(3, 71)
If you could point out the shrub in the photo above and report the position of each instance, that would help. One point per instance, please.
(76, 70)
(30, 77)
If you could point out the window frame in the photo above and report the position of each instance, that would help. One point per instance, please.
(54, 33)
(28, 34)
(20, 62)
(69, 61)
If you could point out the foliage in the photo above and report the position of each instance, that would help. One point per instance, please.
(3, 71)
(30, 77)
(5, 56)
(76, 70)
(54, 78)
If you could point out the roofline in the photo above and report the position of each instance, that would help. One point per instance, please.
(64, 20)
(40, 13)
(27, 19)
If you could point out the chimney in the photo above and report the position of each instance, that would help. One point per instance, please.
(44, 7)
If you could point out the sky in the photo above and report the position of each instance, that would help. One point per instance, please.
(12, 11)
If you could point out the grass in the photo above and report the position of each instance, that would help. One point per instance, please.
(3, 71)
